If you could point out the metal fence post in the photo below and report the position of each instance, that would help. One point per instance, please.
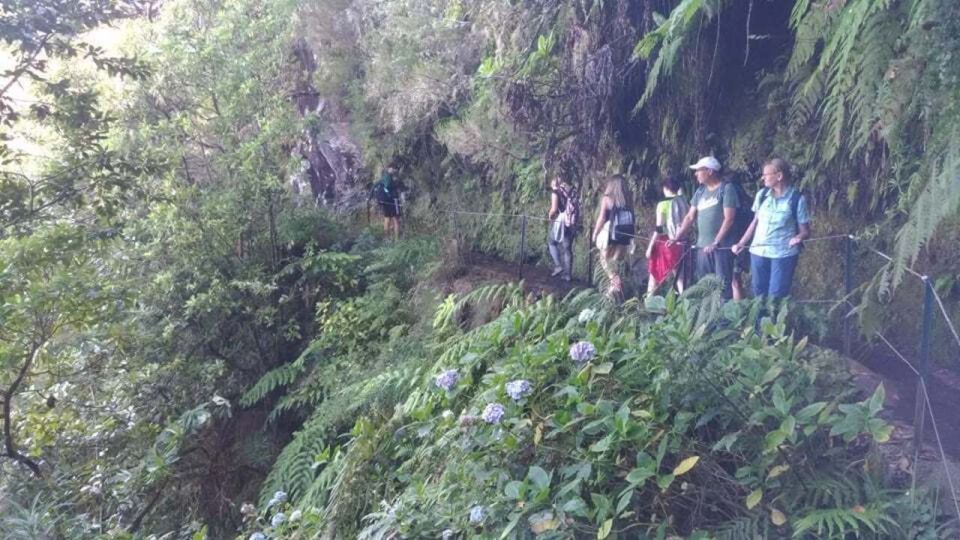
(523, 241)
(847, 289)
(926, 325)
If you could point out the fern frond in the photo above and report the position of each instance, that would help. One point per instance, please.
(938, 199)
(840, 522)
(670, 37)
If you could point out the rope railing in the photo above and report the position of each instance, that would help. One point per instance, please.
(946, 317)
(896, 352)
(928, 406)
(943, 455)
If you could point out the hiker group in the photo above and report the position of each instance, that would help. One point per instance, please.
(734, 234)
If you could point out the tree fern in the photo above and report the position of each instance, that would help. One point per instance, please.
(294, 470)
(669, 37)
(279, 377)
(939, 198)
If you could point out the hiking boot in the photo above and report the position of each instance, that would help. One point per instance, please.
(556, 272)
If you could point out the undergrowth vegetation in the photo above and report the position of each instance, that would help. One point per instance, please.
(572, 418)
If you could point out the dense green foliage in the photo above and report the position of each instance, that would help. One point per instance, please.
(181, 336)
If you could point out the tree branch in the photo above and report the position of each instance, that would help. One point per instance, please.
(10, 444)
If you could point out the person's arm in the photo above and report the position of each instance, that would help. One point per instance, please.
(554, 206)
(803, 217)
(685, 226)
(601, 218)
(745, 239)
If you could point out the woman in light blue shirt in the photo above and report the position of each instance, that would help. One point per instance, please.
(780, 224)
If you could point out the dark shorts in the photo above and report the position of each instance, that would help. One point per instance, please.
(390, 209)
(720, 262)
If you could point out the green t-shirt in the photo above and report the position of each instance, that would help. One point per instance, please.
(663, 212)
(710, 213)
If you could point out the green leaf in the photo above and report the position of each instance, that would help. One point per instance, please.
(773, 440)
(780, 400)
(603, 368)
(575, 506)
(624, 500)
(726, 441)
(754, 498)
(777, 471)
(771, 374)
(602, 445)
(605, 529)
(807, 413)
(514, 520)
(661, 450)
(877, 399)
(664, 481)
(539, 477)
(639, 475)
(788, 425)
(513, 489)
(881, 434)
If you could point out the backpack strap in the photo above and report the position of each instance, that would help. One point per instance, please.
(763, 197)
(794, 208)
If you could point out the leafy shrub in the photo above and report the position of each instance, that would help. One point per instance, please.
(683, 424)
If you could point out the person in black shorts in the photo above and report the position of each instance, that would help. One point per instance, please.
(388, 193)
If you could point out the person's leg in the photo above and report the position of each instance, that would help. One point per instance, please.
(760, 275)
(781, 276)
(737, 287)
(386, 226)
(610, 261)
(704, 264)
(566, 257)
(554, 248)
(723, 266)
(685, 270)
(651, 281)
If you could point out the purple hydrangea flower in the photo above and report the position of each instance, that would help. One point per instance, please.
(278, 498)
(258, 536)
(278, 519)
(493, 413)
(582, 351)
(518, 389)
(447, 380)
(478, 514)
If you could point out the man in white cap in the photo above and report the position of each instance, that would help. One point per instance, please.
(714, 206)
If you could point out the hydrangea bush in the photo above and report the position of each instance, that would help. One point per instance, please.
(671, 416)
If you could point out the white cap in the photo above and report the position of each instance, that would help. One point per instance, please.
(708, 162)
